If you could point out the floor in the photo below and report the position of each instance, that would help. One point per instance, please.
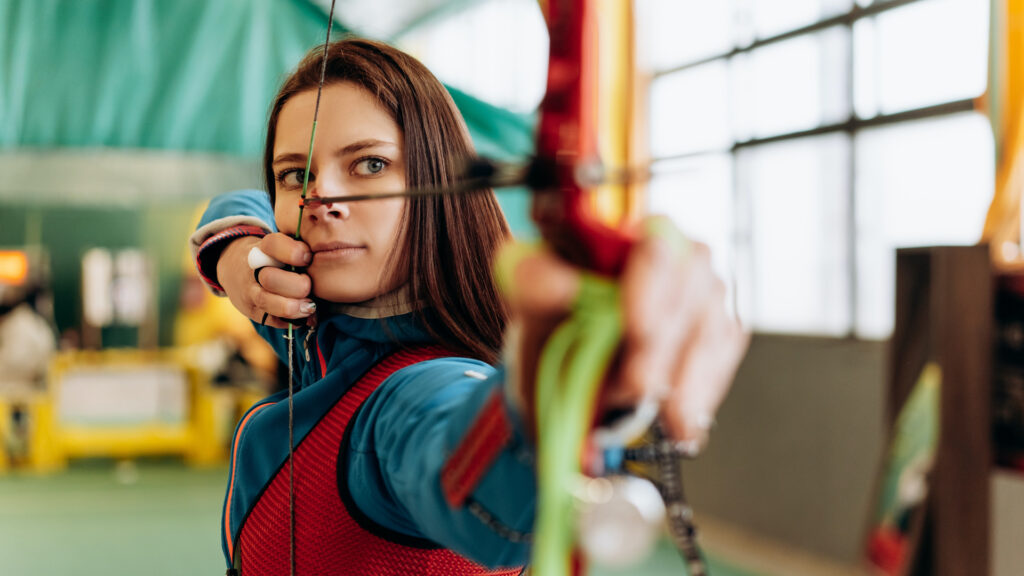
(156, 519)
(159, 520)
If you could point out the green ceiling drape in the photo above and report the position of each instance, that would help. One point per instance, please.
(188, 75)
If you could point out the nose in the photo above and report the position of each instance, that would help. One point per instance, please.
(326, 211)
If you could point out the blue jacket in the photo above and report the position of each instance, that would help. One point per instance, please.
(401, 437)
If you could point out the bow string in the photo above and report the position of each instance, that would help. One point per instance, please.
(291, 327)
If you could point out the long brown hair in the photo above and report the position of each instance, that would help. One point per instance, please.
(449, 240)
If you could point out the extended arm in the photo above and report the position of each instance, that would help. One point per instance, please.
(435, 450)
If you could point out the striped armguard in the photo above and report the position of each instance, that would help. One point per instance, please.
(483, 441)
(209, 252)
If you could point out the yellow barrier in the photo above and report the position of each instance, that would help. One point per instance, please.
(200, 437)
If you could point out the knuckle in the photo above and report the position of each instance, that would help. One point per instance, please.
(257, 297)
(250, 310)
(274, 244)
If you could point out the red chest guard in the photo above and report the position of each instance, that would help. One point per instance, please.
(328, 539)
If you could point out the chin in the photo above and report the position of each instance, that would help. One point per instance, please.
(346, 288)
(345, 295)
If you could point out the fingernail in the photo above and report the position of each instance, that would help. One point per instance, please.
(307, 307)
(307, 257)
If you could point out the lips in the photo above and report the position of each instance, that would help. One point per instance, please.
(332, 246)
(336, 251)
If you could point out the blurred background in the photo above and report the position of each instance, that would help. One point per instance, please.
(808, 142)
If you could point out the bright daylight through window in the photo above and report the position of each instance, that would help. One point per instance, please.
(806, 140)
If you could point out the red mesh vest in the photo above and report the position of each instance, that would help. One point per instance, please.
(328, 539)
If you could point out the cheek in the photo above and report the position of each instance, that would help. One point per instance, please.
(388, 223)
(388, 235)
(286, 216)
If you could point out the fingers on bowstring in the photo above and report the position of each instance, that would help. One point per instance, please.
(265, 318)
(272, 321)
(278, 306)
(286, 249)
(285, 283)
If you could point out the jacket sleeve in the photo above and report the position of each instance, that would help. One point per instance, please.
(228, 217)
(435, 450)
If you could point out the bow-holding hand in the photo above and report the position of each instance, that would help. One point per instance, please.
(680, 344)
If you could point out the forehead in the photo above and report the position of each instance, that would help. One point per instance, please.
(347, 113)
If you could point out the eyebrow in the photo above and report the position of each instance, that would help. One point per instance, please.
(349, 149)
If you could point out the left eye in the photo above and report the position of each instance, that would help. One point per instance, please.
(370, 166)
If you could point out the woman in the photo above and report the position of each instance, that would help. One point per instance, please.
(395, 377)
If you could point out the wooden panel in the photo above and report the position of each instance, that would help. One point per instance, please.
(962, 311)
(944, 313)
(910, 346)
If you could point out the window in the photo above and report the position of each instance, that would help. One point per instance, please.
(920, 54)
(691, 113)
(474, 49)
(918, 183)
(795, 231)
(697, 194)
(806, 140)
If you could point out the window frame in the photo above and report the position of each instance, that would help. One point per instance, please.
(851, 126)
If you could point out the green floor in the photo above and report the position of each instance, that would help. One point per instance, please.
(157, 519)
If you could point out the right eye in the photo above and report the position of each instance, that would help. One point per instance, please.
(292, 177)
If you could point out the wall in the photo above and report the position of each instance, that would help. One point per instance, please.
(796, 447)
(1007, 523)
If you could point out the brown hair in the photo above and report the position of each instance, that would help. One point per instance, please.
(449, 240)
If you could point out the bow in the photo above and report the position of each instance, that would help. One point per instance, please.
(564, 173)
(580, 352)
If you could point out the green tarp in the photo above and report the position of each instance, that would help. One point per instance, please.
(192, 75)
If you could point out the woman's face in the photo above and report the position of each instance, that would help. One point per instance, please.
(358, 150)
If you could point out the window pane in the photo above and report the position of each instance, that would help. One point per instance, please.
(675, 32)
(795, 255)
(497, 51)
(697, 194)
(921, 54)
(793, 85)
(772, 17)
(690, 112)
(918, 183)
